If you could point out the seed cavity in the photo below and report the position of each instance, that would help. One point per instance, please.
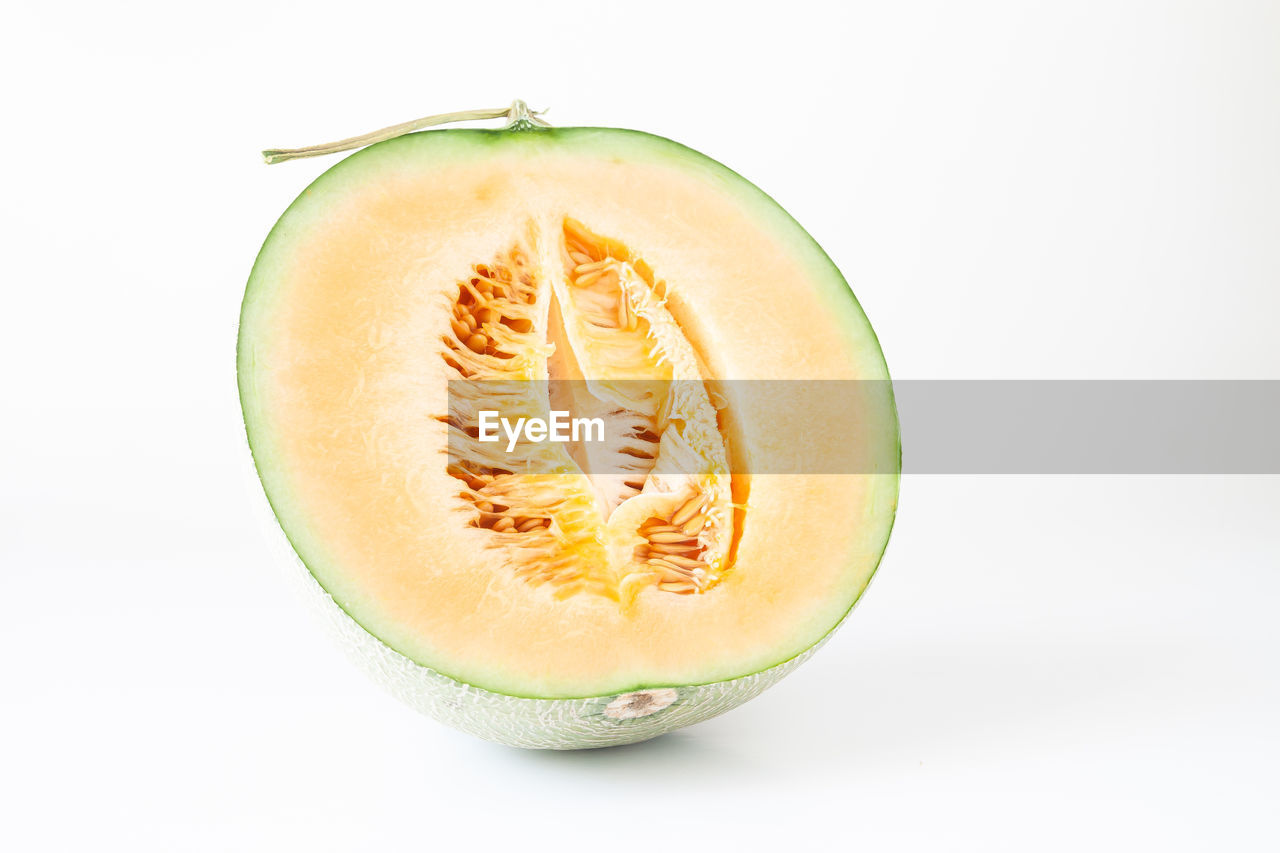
(648, 509)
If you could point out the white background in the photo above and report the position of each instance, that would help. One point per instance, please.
(1022, 190)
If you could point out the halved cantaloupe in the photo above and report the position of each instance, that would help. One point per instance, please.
(578, 594)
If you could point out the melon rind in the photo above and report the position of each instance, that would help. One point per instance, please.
(517, 721)
(564, 724)
(552, 723)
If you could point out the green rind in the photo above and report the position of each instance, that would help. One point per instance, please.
(527, 721)
(518, 721)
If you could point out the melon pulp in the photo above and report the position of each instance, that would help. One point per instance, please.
(581, 594)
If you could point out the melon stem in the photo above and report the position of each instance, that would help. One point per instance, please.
(519, 115)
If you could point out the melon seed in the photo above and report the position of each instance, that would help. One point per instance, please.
(685, 562)
(667, 565)
(648, 528)
(679, 548)
(664, 538)
(687, 511)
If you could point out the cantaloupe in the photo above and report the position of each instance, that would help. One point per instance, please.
(569, 595)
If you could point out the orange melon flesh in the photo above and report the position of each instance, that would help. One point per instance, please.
(343, 386)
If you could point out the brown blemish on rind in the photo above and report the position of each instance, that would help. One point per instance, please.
(641, 703)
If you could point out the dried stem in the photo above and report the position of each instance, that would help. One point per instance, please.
(518, 113)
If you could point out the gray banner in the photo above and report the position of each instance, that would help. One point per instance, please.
(947, 427)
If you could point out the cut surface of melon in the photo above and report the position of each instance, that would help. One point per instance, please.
(418, 275)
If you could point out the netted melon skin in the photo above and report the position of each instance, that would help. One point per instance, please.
(582, 723)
